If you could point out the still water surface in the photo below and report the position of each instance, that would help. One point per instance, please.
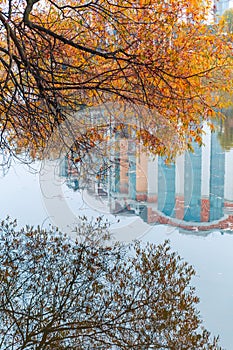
(206, 200)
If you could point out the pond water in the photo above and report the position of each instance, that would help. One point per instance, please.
(190, 203)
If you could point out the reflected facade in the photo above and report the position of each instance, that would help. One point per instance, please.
(193, 192)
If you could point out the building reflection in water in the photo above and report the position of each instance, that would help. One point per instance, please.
(191, 190)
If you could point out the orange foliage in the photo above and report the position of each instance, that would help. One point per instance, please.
(58, 56)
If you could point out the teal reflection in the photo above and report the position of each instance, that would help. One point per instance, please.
(190, 190)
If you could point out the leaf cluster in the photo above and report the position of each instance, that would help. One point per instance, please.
(58, 56)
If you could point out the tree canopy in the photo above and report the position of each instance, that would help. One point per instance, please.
(88, 294)
(57, 57)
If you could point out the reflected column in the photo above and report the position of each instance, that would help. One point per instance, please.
(132, 169)
(192, 184)
(63, 169)
(116, 183)
(217, 174)
(166, 187)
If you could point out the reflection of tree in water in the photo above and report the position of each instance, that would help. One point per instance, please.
(87, 294)
(225, 133)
